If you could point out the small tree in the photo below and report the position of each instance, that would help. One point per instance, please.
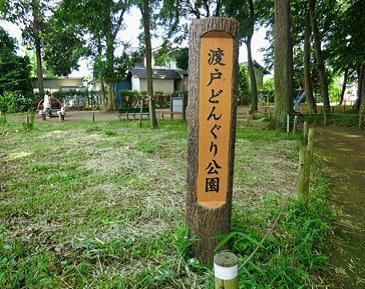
(14, 70)
(243, 85)
(268, 89)
(146, 17)
(7, 105)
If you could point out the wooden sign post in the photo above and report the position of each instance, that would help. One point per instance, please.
(211, 115)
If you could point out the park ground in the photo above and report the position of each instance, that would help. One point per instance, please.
(100, 204)
(344, 152)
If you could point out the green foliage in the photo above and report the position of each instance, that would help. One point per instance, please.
(162, 56)
(101, 20)
(243, 85)
(268, 89)
(182, 58)
(18, 268)
(244, 13)
(28, 125)
(294, 250)
(2, 5)
(349, 119)
(102, 218)
(347, 42)
(132, 98)
(3, 120)
(14, 72)
(334, 90)
(166, 53)
(8, 102)
(146, 147)
(63, 47)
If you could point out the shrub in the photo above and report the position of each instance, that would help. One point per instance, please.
(8, 102)
(132, 98)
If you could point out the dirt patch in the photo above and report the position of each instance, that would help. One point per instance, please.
(344, 149)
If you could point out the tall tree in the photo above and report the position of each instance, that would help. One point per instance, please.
(102, 21)
(174, 14)
(30, 15)
(146, 18)
(319, 55)
(347, 41)
(308, 85)
(37, 42)
(344, 83)
(362, 98)
(14, 70)
(16, 93)
(246, 15)
(173, 11)
(63, 47)
(283, 66)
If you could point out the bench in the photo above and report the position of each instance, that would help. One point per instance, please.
(133, 111)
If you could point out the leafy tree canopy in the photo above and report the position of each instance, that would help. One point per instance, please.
(63, 47)
(14, 71)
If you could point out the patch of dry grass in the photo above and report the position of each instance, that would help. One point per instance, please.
(105, 201)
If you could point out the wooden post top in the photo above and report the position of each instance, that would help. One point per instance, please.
(226, 259)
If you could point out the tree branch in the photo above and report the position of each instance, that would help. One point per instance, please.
(119, 23)
(206, 5)
(218, 8)
(192, 9)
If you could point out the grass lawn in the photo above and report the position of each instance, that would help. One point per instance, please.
(101, 205)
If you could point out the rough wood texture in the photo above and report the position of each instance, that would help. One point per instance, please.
(325, 118)
(295, 124)
(205, 223)
(323, 78)
(305, 130)
(308, 86)
(310, 146)
(283, 65)
(145, 11)
(304, 174)
(362, 100)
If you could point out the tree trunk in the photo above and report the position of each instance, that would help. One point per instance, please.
(319, 56)
(253, 84)
(362, 97)
(109, 99)
(361, 76)
(109, 104)
(344, 84)
(147, 38)
(283, 64)
(307, 68)
(38, 46)
(101, 78)
(203, 222)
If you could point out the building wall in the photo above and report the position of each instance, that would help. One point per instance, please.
(135, 83)
(164, 85)
(55, 84)
(182, 84)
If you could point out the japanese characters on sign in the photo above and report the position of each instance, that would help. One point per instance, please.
(215, 116)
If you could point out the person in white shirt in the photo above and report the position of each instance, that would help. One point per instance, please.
(61, 112)
(46, 104)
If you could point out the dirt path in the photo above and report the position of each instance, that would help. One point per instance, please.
(344, 149)
(87, 115)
